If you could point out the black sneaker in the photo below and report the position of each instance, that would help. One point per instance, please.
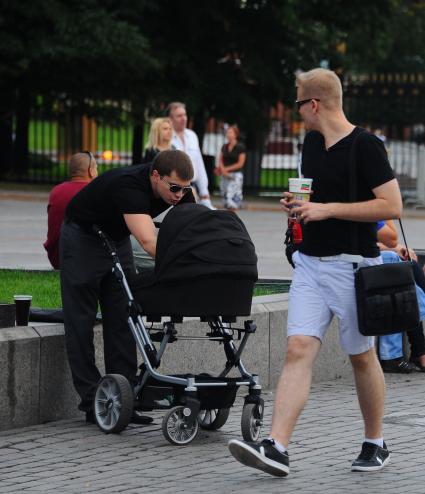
(371, 458)
(397, 366)
(263, 456)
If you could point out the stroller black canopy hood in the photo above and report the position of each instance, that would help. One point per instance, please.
(195, 241)
(205, 265)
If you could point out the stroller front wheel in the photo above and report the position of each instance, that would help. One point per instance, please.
(251, 421)
(113, 403)
(176, 427)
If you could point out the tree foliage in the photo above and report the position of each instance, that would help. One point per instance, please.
(230, 59)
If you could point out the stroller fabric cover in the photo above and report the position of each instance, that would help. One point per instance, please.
(205, 266)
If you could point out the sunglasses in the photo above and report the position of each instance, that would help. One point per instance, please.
(174, 188)
(301, 102)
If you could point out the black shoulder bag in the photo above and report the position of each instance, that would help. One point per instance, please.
(385, 293)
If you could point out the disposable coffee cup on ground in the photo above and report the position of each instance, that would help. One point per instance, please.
(22, 305)
(300, 188)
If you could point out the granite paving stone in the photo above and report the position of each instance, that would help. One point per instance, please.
(70, 456)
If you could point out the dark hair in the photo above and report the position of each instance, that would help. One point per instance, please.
(171, 160)
(235, 129)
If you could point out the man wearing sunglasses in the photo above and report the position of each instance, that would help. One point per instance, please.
(120, 201)
(82, 170)
(323, 283)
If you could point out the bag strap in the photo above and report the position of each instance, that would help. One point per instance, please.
(354, 237)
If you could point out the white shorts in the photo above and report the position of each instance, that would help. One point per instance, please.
(321, 289)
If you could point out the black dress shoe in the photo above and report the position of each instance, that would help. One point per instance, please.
(90, 417)
(397, 366)
(417, 363)
(136, 418)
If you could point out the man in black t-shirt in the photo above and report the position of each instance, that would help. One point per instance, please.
(120, 202)
(323, 282)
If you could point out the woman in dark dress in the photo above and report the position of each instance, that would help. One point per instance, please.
(230, 163)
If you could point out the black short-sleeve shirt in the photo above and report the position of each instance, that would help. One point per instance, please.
(329, 169)
(120, 191)
(231, 157)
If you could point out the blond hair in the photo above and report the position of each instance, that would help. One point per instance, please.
(321, 84)
(154, 139)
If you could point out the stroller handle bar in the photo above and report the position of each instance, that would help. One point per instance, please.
(117, 269)
(106, 242)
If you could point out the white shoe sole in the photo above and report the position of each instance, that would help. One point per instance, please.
(251, 458)
(370, 469)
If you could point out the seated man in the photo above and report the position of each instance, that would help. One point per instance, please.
(82, 170)
(390, 347)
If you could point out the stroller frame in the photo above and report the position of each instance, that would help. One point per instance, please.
(193, 402)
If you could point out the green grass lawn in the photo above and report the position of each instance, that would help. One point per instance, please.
(44, 286)
(44, 135)
(271, 288)
(276, 178)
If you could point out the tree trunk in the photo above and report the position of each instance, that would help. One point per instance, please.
(199, 126)
(138, 143)
(6, 132)
(21, 153)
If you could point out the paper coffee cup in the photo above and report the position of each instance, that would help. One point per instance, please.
(300, 188)
(22, 305)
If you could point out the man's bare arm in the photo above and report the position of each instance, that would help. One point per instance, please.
(386, 205)
(143, 229)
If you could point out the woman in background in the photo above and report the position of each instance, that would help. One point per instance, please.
(230, 163)
(160, 136)
(159, 140)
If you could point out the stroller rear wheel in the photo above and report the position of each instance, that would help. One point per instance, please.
(113, 403)
(211, 420)
(251, 421)
(176, 428)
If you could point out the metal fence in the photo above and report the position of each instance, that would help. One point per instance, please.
(391, 105)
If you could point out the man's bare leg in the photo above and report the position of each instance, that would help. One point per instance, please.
(291, 395)
(294, 386)
(370, 385)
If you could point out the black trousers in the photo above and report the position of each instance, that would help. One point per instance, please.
(86, 280)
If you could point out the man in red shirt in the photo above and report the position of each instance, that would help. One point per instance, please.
(82, 170)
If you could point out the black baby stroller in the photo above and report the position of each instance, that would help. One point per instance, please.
(205, 266)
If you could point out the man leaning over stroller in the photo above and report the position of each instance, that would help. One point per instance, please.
(323, 282)
(120, 202)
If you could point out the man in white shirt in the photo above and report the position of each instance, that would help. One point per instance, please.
(186, 140)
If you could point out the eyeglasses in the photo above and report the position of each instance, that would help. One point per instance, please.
(301, 102)
(174, 188)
